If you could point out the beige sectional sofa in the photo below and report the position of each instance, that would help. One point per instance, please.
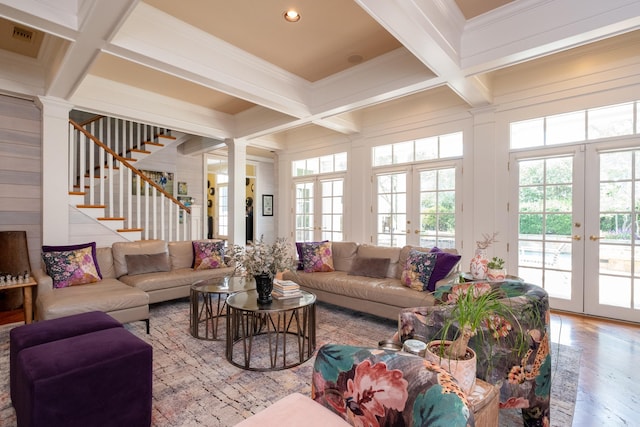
(124, 296)
(383, 297)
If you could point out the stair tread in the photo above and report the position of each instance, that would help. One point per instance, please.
(110, 219)
(155, 144)
(77, 193)
(91, 206)
(126, 230)
(165, 136)
(138, 150)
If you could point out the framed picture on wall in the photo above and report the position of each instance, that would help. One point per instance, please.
(182, 189)
(267, 205)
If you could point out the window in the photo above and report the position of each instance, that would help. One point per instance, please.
(577, 126)
(320, 165)
(436, 147)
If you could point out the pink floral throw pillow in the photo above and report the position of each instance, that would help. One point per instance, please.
(70, 268)
(418, 269)
(208, 255)
(317, 257)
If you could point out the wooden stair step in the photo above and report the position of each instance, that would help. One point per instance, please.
(155, 144)
(161, 135)
(91, 206)
(110, 219)
(129, 230)
(137, 150)
(77, 193)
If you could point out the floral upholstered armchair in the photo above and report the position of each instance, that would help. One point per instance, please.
(374, 387)
(513, 352)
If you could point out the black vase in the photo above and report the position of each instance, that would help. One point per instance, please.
(264, 286)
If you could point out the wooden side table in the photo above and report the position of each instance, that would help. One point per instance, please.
(27, 297)
(485, 402)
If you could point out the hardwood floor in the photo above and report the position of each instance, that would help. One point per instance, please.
(609, 379)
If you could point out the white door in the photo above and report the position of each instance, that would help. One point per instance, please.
(319, 209)
(417, 206)
(578, 214)
(612, 234)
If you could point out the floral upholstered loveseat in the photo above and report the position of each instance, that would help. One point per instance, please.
(519, 360)
(373, 387)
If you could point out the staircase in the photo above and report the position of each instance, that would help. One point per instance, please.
(105, 185)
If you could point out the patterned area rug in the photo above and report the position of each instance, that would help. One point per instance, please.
(194, 385)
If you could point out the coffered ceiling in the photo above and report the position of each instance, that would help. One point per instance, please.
(237, 69)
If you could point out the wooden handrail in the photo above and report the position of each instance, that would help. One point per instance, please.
(128, 165)
(91, 120)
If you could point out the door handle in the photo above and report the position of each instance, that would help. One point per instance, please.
(577, 237)
(594, 238)
(417, 231)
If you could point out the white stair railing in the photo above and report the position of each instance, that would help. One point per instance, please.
(109, 180)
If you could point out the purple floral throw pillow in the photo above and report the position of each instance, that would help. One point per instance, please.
(317, 257)
(418, 269)
(70, 268)
(208, 255)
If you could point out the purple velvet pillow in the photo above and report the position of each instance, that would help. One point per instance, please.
(76, 247)
(299, 249)
(444, 264)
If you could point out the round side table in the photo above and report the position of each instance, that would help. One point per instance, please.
(208, 303)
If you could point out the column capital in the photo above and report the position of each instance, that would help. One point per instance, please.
(54, 106)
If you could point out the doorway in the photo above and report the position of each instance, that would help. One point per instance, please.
(577, 226)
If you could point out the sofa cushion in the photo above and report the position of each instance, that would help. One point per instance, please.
(344, 253)
(150, 282)
(208, 254)
(372, 251)
(110, 295)
(181, 254)
(147, 263)
(370, 267)
(445, 263)
(317, 257)
(71, 267)
(418, 269)
(105, 263)
(120, 249)
(299, 251)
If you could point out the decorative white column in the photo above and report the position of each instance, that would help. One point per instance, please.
(55, 167)
(237, 177)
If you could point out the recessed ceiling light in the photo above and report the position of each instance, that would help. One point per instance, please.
(291, 16)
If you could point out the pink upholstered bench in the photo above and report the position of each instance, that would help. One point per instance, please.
(295, 410)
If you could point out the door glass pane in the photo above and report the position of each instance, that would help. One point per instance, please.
(545, 209)
(437, 208)
(617, 250)
(332, 209)
(304, 212)
(391, 209)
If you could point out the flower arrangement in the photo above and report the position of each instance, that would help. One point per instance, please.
(263, 258)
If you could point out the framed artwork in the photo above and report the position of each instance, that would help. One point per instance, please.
(185, 200)
(163, 179)
(182, 189)
(267, 205)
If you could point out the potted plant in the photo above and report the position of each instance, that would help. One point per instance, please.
(476, 308)
(262, 261)
(495, 269)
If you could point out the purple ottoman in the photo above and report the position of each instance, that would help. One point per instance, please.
(102, 378)
(26, 336)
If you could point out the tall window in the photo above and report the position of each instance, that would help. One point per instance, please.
(223, 204)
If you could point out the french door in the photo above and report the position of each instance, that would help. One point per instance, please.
(416, 206)
(578, 212)
(319, 209)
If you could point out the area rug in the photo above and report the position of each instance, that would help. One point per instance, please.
(194, 385)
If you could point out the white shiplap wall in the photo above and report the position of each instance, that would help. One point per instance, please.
(20, 171)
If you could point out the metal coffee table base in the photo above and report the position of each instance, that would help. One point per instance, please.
(271, 340)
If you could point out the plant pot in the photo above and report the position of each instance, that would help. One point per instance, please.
(464, 371)
(264, 286)
(496, 274)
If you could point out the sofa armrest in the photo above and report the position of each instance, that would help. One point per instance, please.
(362, 384)
(45, 282)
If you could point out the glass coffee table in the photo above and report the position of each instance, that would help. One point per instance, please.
(270, 337)
(208, 303)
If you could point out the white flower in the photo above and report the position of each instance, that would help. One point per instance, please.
(262, 258)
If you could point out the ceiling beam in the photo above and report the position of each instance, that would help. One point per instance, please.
(431, 31)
